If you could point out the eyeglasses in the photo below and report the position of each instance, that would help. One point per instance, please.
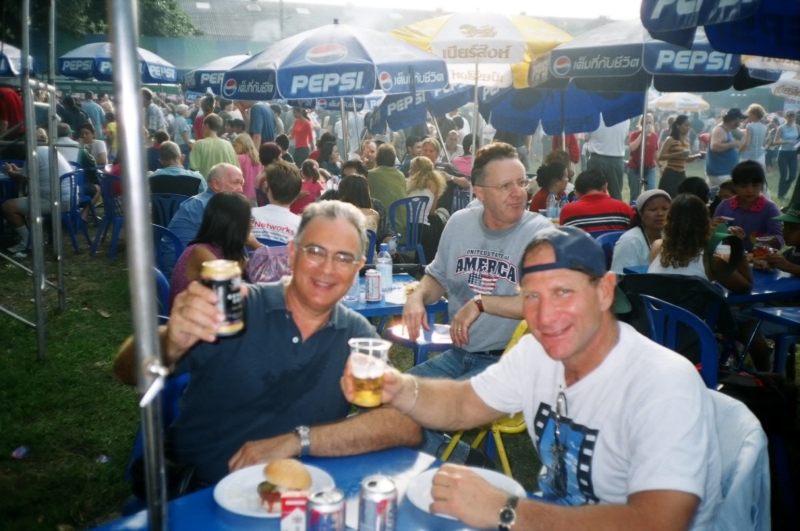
(317, 255)
(558, 450)
(507, 187)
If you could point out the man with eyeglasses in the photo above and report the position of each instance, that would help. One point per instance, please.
(273, 391)
(624, 427)
(476, 266)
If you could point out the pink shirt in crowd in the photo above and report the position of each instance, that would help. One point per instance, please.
(250, 173)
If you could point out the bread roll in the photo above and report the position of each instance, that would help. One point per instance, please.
(289, 474)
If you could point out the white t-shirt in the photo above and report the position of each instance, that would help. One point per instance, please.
(274, 223)
(642, 420)
(70, 153)
(631, 250)
(97, 148)
(695, 267)
(609, 141)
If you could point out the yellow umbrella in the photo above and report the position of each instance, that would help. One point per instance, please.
(681, 101)
(486, 49)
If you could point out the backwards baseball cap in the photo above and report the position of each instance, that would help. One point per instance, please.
(734, 114)
(791, 215)
(575, 249)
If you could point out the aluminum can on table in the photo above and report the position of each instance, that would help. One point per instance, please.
(377, 504)
(326, 511)
(225, 278)
(372, 286)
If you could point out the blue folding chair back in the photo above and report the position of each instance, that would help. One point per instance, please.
(607, 241)
(665, 319)
(165, 206)
(413, 206)
(598, 233)
(162, 291)
(261, 198)
(112, 213)
(75, 165)
(163, 239)
(71, 212)
(461, 199)
(372, 244)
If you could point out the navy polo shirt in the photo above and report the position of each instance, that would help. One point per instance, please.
(263, 383)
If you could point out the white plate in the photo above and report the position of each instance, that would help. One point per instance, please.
(237, 491)
(419, 490)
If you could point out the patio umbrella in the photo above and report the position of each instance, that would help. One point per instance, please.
(209, 76)
(680, 101)
(94, 61)
(755, 27)
(11, 60)
(334, 61)
(788, 86)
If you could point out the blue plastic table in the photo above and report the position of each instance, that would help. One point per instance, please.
(788, 317)
(9, 188)
(200, 511)
(766, 286)
(386, 308)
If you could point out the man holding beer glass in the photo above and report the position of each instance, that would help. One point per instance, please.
(477, 267)
(276, 384)
(624, 427)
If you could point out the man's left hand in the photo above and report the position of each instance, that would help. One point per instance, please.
(459, 326)
(460, 492)
(265, 450)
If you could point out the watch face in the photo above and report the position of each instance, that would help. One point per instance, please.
(507, 515)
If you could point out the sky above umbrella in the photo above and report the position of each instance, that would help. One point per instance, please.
(616, 9)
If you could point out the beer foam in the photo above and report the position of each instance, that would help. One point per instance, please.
(366, 367)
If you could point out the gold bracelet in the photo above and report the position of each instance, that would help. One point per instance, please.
(416, 396)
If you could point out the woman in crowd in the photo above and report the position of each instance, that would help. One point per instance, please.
(222, 236)
(464, 163)
(250, 164)
(724, 191)
(323, 139)
(771, 155)
(786, 138)
(755, 136)
(675, 152)
(329, 158)
(311, 189)
(354, 189)
(650, 149)
(96, 148)
(552, 179)
(753, 215)
(633, 248)
(72, 114)
(425, 181)
(268, 152)
(302, 134)
(697, 186)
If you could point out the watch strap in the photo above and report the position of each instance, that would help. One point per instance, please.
(479, 303)
(305, 440)
(508, 514)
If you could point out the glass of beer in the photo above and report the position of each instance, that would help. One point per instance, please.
(368, 360)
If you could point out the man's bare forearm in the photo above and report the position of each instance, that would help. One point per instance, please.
(125, 368)
(366, 432)
(429, 289)
(509, 306)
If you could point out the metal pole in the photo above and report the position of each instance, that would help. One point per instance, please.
(358, 132)
(474, 125)
(55, 182)
(280, 18)
(345, 130)
(642, 184)
(563, 126)
(32, 171)
(138, 233)
(439, 134)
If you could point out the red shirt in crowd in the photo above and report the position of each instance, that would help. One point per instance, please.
(650, 148)
(11, 110)
(539, 199)
(314, 189)
(597, 211)
(303, 133)
(573, 148)
(198, 127)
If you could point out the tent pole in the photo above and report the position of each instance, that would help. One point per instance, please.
(563, 126)
(52, 136)
(138, 233)
(439, 134)
(345, 130)
(642, 183)
(474, 126)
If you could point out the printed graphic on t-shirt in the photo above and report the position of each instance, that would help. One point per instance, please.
(271, 231)
(566, 475)
(484, 269)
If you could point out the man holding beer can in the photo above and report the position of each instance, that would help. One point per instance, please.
(477, 267)
(624, 427)
(272, 391)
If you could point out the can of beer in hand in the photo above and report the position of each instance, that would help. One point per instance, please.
(372, 286)
(326, 511)
(377, 504)
(225, 278)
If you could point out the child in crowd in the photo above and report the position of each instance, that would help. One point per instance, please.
(724, 191)
(789, 259)
(283, 143)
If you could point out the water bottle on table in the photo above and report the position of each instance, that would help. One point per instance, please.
(384, 267)
(552, 206)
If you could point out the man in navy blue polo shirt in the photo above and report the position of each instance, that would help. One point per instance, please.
(273, 391)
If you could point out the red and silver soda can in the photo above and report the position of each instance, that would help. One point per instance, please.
(372, 286)
(326, 511)
(377, 504)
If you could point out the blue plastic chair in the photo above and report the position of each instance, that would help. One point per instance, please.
(165, 206)
(162, 291)
(607, 241)
(75, 165)
(163, 261)
(372, 244)
(461, 199)
(422, 347)
(261, 198)
(111, 218)
(83, 198)
(598, 233)
(413, 206)
(71, 212)
(270, 243)
(664, 320)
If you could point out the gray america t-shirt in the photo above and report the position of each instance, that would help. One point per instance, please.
(473, 259)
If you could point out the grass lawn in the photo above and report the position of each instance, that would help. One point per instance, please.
(69, 411)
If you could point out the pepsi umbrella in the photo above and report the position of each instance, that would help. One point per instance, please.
(93, 61)
(209, 76)
(560, 111)
(756, 27)
(400, 111)
(356, 103)
(11, 60)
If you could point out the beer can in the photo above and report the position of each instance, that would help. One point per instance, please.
(225, 278)
(326, 511)
(377, 504)
(372, 286)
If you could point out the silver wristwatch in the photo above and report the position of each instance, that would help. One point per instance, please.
(304, 432)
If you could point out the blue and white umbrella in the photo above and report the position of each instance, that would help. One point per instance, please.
(399, 111)
(748, 27)
(93, 61)
(209, 76)
(560, 111)
(623, 57)
(356, 103)
(11, 61)
(335, 61)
